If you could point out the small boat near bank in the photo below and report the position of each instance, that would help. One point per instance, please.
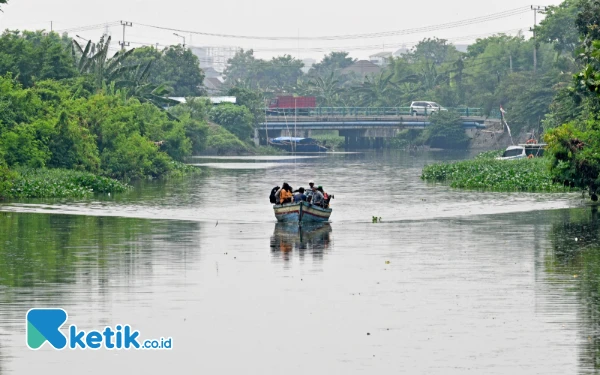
(301, 212)
(522, 151)
(296, 144)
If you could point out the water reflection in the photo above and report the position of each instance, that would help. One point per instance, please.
(47, 259)
(289, 239)
(576, 258)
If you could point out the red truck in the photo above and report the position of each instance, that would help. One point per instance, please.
(291, 102)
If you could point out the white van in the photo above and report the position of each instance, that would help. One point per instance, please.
(425, 108)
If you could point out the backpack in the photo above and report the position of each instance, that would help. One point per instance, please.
(272, 197)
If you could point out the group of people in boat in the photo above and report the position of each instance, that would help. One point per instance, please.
(286, 194)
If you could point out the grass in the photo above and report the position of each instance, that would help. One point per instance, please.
(486, 173)
(58, 183)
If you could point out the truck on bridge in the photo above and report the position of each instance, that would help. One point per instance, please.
(282, 105)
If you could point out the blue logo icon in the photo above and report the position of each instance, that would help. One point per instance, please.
(44, 325)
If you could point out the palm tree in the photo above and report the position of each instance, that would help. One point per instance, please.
(326, 89)
(378, 91)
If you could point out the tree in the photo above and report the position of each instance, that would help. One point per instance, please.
(558, 27)
(436, 51)
(33, 56)
(326, 89)
(575, 146)
(179, 68)
(235, 118)
(333, 62)
(252, 99)
(278, 74)
(446, 131)
(105, 70)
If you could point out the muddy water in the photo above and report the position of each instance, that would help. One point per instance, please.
(449, 281)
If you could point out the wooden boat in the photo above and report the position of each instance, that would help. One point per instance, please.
(301, 212)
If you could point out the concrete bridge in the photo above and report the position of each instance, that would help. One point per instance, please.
(359, 129)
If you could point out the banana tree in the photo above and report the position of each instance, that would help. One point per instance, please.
(94, 60)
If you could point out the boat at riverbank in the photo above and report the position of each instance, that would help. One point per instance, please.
(295, 144)
(522, 151)
(301, 212)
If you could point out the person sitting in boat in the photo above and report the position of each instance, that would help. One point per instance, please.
(300, 196)
(311, 184)
(286, 196)
(326, 197)
(317, 197)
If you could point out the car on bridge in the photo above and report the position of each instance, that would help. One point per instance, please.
(425, 108)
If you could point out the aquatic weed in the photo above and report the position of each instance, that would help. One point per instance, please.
(486, 173)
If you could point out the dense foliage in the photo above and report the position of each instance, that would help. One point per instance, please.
(574, 134)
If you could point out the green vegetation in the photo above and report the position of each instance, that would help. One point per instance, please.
(57, 183)
(70, 107)
(329, 139)
(574, 122)
(486, 173)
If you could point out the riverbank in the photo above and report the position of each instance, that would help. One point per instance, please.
(486, 173)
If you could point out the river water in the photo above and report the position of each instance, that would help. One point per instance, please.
(449, 282)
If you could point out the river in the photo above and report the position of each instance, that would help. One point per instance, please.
(449, 282)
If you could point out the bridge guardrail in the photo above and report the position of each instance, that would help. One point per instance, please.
(366, 111)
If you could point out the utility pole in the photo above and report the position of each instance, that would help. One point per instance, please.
(181, 36)
(125, 24)
(536, 9)
(51, 27)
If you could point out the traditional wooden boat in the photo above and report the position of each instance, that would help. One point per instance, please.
(301, 212)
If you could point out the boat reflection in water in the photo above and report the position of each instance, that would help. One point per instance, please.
(290, 238)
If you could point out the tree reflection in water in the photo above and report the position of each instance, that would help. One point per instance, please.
(576, 256)
(290, 238)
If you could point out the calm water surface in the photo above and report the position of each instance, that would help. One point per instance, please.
(450, 282)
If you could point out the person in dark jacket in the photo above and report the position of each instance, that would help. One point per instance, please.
(300, 196)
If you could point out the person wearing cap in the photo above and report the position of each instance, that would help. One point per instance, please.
(311, 184)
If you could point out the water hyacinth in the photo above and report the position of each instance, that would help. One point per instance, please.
(486, 173)
(60, 183)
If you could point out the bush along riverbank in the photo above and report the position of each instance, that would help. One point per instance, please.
(55, 183)
(487, 173)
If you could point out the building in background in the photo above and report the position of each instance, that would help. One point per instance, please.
(362, 69)
(381, 58)
(214, 57)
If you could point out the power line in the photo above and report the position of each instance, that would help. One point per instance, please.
(466, 22)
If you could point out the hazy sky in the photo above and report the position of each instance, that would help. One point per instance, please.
(307, 18)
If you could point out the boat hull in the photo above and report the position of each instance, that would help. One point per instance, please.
(301, 212)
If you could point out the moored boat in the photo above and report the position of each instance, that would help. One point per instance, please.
(295, 144)
(301, 212)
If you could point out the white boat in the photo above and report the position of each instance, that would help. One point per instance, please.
(522, 151)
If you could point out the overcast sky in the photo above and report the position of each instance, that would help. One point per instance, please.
(307, 18)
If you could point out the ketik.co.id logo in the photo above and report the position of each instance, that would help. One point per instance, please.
(43, 325)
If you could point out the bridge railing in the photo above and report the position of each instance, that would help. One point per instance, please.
(363, 111)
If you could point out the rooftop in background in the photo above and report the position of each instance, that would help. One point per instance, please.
(213, 99)
(362, 68)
